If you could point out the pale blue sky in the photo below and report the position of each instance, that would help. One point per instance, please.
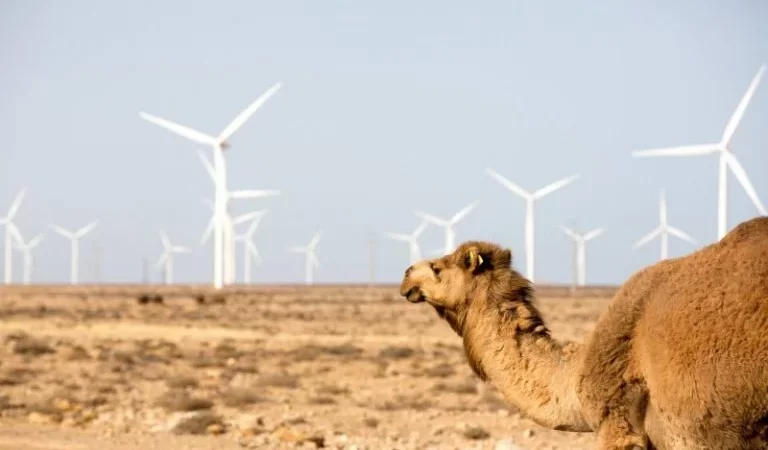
(386, 107)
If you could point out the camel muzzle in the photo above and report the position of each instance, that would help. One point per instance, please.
(413, 295)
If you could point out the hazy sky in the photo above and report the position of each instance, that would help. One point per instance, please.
(386, 107)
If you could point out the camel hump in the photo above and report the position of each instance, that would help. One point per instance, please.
(749, 230)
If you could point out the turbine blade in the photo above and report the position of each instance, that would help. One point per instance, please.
(35, 241)
(647, 238)
(15, 233)
(555, 186)
(738, 113)
(246, 217)
(61, 231)
(253, 194)
(420, 229)
(315, 261)
(741, 175)
(254, 252)
(430, 218)
(247, 113)
(180, 249)
(181, 130)
(161, 260)
(16, 204)
(681, 234)
(572, 234)
(463, 213)
(86, 229)
(164, 238)
(207, 164)
(255, 223)
(207, 232)
(508, 184)
(593, 234)
(315, 240)
(684, 150)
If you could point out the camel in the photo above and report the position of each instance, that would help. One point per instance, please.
(679, 359)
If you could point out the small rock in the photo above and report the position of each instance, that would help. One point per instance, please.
(476, 432)
(215, 428)
(528, 433)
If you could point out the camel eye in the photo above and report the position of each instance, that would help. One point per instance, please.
(435, 269)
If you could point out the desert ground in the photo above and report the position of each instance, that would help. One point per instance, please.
(280, 367)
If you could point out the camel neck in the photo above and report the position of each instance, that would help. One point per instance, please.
(533, 372)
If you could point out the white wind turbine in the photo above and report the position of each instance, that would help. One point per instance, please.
(11, 233)
(74, 238)
(249, 248)
(166, 258)
(663, 230)
(726, 159)
(412, 240)
(311, 261)
(26, 250)
(218, 143)
(530, 198)
(450, 233)
(580, 240)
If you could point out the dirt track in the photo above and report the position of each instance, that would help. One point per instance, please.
(260, 371)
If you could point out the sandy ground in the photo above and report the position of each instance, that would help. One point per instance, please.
(359, 369)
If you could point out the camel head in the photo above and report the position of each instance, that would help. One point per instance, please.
(452, 282)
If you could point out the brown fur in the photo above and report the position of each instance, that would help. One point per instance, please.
(679, 360)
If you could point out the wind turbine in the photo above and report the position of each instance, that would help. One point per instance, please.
(663, 230)
(450, 233)
(530, 198)
(26, 250)
(11, 233)
(166, 258)
(580, 240)
(311, 261)
(726, 159)
(249, 248)
(412, 240)
(75, 240)
(219, 144)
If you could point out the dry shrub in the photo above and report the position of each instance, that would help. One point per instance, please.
(412, 402)
(476, 433)
(13, 376)
(198, 423)
(225, 350)
(123, 357)
(322, 400)
(238, 397)
(76, 353)
(330, 389)
(180, 400)
(396, 352)
(442, 370)
(145, 299)
(466, 388)
(278, 380)
(371, 422)
(310, 352)
(181, 382)
(28, 345)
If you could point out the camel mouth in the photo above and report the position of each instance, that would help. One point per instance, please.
(414, 295)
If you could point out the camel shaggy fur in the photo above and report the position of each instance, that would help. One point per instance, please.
(679, 360)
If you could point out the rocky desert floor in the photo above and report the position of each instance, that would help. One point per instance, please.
(298, 368)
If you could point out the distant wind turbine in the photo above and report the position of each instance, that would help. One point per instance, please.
(663, 230)
(412, 240)
(450, 233)
(166, 258)
(26, 250)
(311, 261)
(75, 240)
(219, 144)
(250, 252)
(580, 240)
(530, 198)
(11, 234)
(727, 159)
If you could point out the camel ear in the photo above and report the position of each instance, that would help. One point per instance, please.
(473, 259)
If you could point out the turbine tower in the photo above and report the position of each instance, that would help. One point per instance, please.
(412, 240)
(166, 258)
(663, 230)
(26, 250)
(75, 240)
(219, 144)
(450, 233)
(580, 240)
(310, 260)
(530, 198)
(726, 159)
(11, 234)
(250, 252)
